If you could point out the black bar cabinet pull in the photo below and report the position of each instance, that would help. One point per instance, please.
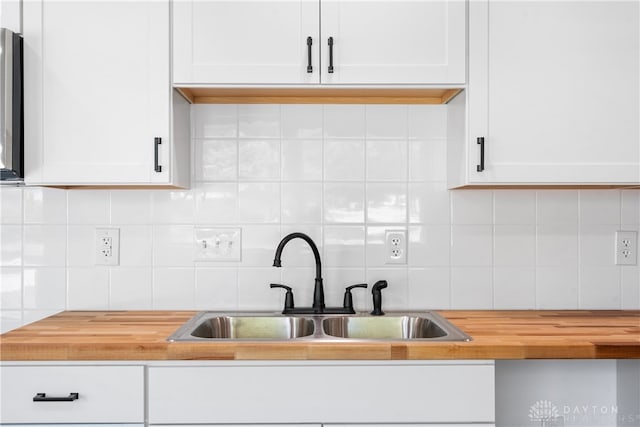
(156, 143)
(42, 397)
(480, 142)
(309, 66)
(330, 69)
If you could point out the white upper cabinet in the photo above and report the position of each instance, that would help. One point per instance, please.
(98, 95)
(394, 42)
(218, 42)
(553, 92)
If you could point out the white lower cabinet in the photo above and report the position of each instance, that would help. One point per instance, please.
(322, 393)
(72, 394)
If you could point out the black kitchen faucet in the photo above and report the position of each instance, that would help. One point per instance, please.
(318, 306)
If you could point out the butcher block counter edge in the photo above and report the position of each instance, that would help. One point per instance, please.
(141, 335)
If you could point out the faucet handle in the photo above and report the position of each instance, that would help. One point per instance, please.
(288, 297)
(348, 298)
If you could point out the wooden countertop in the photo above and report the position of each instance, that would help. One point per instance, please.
(141, 335)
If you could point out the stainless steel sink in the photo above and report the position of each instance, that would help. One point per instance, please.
(250, 326)
(210, 326)
(383, 327)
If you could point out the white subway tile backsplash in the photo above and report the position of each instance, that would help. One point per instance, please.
(10, 205)
(81, 244)
(514, 288)
(130, 288)
(427, 160)
(88, 207)
(301, 160)
(344, 246)
(87, 288)
(344, 160)
(599, 207)
(471, 245)
(216, 160)
(343, 174)
(11, 245)
(11, 288)
(557, 245)
(557, 207)
(514, 245)
(343, 203)
(45, 245)
(386, 160)
(599, 287)
(429, 288)
(386, 203)
(511, 207)
(429, 203)
(556, 288)
(259, 244)
(216, 203)
(172, 207)
(258, 121)
(215, 121)
(216, 289)
(429, 246)
(386, 121)
(344, 121)
(471, 288)
(254, 292)
(44, 205)
(472, 207)
(630, 207)
(258, 160)
(301, 203)
(630, 288)
(173, 245)
(259, 202)
(130, 207)
(173, 288)
(136, 248)
(45, 288)
(301, 121)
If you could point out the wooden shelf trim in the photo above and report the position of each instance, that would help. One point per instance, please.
(318, 95)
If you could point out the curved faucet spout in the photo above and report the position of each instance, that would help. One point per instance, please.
(318, 292)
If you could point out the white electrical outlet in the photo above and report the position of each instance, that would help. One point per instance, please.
(396, 247)
(218, 244)
(626, 247)
(107, 246)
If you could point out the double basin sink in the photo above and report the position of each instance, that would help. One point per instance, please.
(252, 326)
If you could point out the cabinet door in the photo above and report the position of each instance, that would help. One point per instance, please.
(245, 42)
(394, 42)
(554, 91)
(97, 91)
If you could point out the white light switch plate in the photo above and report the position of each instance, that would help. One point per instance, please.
(218, 244)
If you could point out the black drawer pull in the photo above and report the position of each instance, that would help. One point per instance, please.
(309, 66)
(42, 397)
(330, 43)
(480, 142)
(156, 143)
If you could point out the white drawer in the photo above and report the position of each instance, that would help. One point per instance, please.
(106, 394)
(322, 394)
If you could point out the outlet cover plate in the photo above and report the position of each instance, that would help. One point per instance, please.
(626, 248)
(107, 246)
(396, 246)
(218, 244)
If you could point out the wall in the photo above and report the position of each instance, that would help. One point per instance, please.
(342, 174)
